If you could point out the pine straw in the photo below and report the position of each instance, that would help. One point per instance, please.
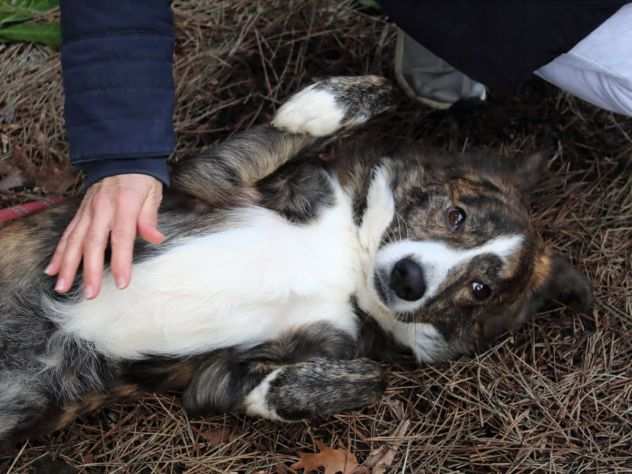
(555, 396)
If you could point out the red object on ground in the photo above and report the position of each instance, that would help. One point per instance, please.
(22, 210)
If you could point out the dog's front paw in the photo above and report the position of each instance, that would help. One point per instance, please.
(332, 104)
(316, 388)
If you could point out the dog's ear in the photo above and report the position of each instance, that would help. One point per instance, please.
(555, 279)
(529, 169)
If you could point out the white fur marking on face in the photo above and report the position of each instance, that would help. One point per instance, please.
(312, 111)
(246, 284)
(423, 339)
(256, 402)
(438, 259)
(379, 213)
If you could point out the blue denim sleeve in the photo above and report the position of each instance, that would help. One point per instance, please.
(117, 62)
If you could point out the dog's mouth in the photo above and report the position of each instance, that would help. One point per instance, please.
(386, 297)
(379, 281)
(402, 309)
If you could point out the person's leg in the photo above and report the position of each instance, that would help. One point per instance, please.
(429, 79)
(599, 88)
(599, 68)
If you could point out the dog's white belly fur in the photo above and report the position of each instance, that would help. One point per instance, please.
(238, 287)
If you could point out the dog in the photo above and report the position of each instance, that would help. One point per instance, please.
(284, 279)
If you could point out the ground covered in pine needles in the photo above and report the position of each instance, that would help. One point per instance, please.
(555, 396)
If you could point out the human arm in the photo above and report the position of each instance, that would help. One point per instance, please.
(119, 96)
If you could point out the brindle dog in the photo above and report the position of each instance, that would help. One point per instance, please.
(283, 277)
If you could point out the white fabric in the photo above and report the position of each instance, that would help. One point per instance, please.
(599, 68)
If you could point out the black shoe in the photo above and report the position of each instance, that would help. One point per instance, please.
(430, 80)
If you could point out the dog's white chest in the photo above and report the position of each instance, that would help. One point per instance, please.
(236, 287)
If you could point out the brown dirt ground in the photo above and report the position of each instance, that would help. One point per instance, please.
(555, 396)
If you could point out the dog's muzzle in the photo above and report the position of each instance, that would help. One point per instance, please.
(407, 280)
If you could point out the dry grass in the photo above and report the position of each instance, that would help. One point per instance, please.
(555, 396)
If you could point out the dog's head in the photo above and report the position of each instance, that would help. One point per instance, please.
(459, 258)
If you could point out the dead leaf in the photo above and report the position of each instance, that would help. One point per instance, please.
(11, 179)
(219, 436)
(281, 469)
(381, 458)
(332, 460)
(6, 167)
(10, 175)
(51, 179)
(58, 180)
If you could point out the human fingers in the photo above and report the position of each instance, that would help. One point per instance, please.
(54, 264)
(96, 241)
(128, 208)
(148, 218)
(73, 250)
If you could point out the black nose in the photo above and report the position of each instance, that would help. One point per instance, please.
(407, 280)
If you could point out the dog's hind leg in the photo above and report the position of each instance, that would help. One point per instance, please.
(305, 374)
(320, 110)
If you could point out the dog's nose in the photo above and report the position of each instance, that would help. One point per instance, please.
(407, 280)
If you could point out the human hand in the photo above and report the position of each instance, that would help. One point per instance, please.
(115, 209)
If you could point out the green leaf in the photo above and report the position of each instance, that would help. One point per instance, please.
(46, 33)
(14, 11)
(12, 16)
(32, 6)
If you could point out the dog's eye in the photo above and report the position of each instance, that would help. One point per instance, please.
(456, 217)
(481, 291)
